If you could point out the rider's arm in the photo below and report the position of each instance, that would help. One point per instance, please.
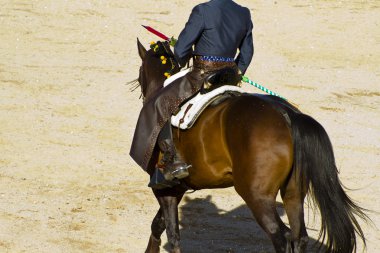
(246, 48)
(188, 36)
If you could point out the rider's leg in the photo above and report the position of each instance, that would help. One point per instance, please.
(171, 164)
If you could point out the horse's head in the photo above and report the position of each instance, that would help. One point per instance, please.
(157, 64)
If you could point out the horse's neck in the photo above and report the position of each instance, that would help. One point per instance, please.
(152, 91)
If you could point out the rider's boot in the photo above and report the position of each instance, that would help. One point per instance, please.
(171, 164)
(171, 167)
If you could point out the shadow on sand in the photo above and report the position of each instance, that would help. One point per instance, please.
(208, 229)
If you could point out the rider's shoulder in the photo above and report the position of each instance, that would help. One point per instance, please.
(199, 8)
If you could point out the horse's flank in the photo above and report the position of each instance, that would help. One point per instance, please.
(222, 142)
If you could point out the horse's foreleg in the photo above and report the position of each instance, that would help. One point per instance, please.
(157, 227)
(169, 207)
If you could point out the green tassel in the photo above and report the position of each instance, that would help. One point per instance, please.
(247, 80)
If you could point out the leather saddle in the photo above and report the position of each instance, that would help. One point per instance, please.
(225, 76)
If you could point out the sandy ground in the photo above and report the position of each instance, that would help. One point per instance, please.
(67, 183)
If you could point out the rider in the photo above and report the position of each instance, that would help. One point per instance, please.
(216, 29)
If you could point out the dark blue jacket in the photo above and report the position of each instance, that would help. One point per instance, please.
(217, 28)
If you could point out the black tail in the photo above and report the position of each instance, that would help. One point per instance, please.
(314, 162)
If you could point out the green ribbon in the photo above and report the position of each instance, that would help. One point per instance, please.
(247, 80)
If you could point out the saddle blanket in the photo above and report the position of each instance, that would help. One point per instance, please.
(176, 76)
(190, 111)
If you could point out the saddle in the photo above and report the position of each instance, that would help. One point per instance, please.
(217, 87)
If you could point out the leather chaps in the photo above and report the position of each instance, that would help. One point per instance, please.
(166, 102)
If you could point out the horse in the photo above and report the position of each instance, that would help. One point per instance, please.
(260, 145)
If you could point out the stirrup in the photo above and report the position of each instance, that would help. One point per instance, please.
(158, 181)
(176, 170)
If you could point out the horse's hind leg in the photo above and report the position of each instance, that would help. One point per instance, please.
(259, 192)
(263, 208)
(293, 197)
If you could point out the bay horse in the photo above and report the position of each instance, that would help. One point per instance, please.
(260, 145)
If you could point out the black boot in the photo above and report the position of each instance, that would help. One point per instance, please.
(171, 167)
(171, 163)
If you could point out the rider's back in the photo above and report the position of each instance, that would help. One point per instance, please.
(225, 25)
(217, 28)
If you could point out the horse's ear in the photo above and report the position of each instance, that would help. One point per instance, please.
(142, 50)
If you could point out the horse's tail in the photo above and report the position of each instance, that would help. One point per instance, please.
(314, 163)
